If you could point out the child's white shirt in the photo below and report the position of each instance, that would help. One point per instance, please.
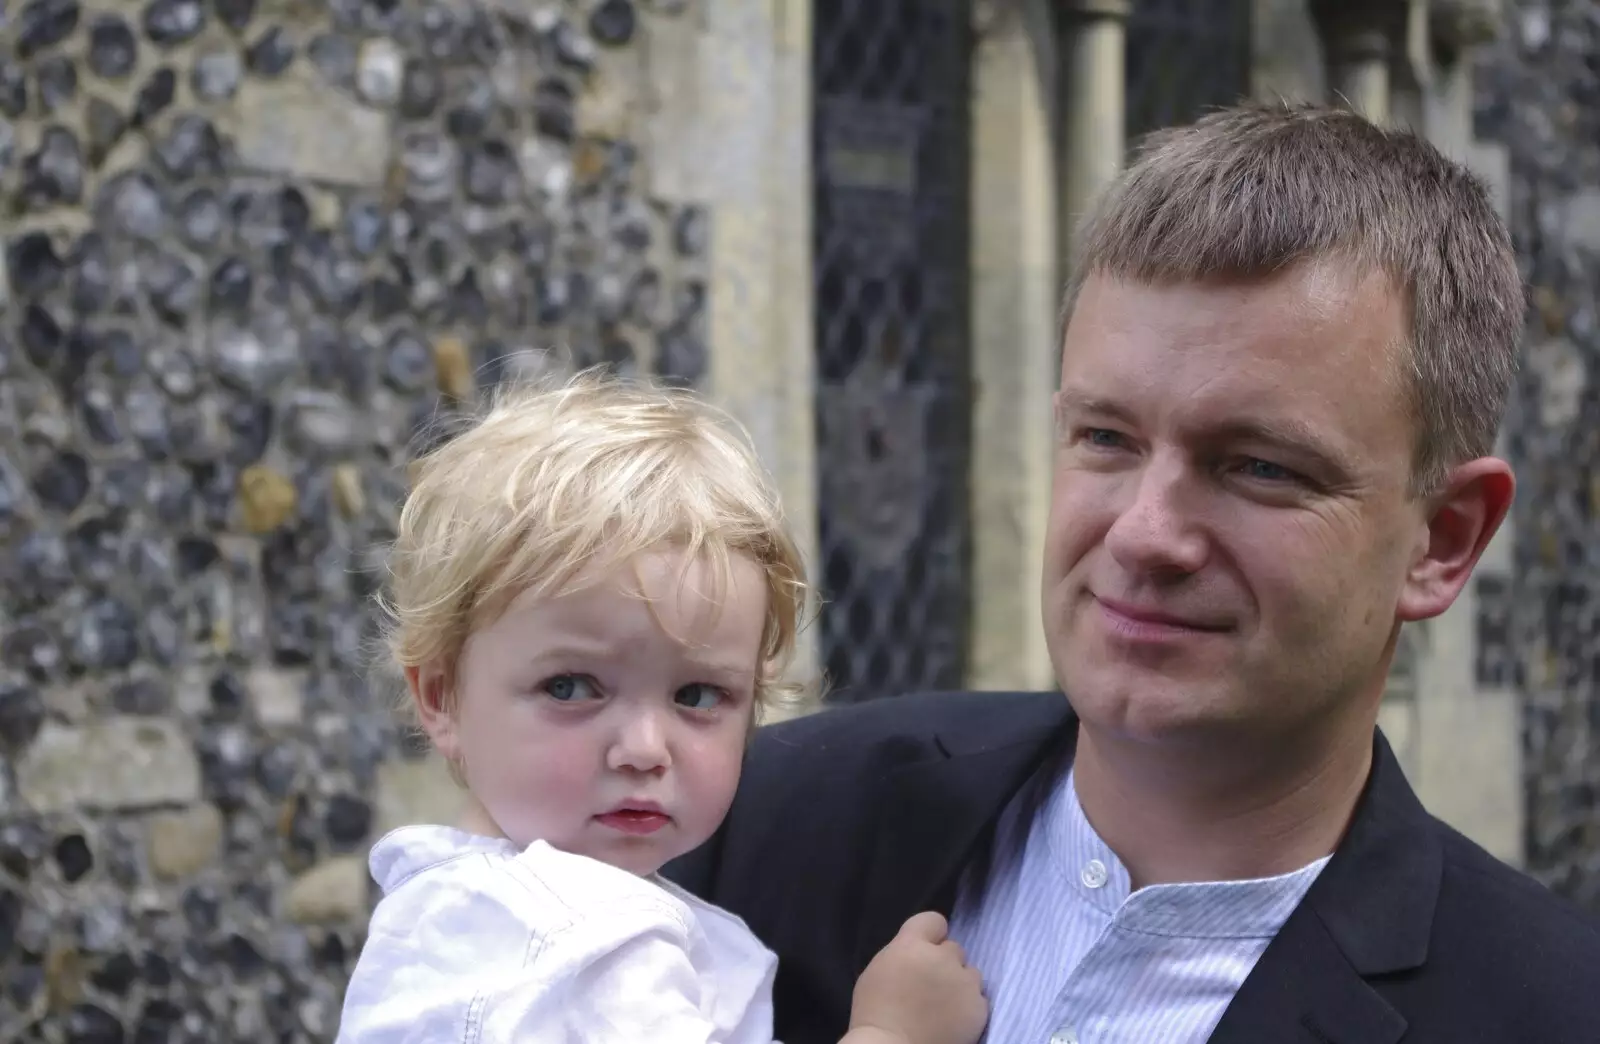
(476, 942)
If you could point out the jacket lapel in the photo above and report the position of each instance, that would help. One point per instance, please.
(1303, 991)
(935, 811)
(1370, 913)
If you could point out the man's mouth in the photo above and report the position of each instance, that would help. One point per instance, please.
(1137, 620)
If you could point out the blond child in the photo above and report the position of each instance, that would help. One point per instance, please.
(592, 597)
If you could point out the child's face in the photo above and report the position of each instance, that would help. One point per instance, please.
(611, 721)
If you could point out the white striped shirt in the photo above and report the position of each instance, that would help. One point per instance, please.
(1068, 956)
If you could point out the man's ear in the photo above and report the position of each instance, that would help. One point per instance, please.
(433, 697)
(1463, 517)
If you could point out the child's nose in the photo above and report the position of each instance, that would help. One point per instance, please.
(641, 745)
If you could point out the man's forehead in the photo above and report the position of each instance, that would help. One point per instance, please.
(1308, 360)
(1324, 289)
(1318, 316)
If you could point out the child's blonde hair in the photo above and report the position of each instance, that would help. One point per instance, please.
(562, 475)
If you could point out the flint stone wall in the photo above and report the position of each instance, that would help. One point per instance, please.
(1539, 94)
(253, 250)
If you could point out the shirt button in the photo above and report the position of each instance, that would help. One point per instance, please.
(1064, 1035)
(1094, 875)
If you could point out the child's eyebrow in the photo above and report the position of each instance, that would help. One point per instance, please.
(722, 670)
(558, 650)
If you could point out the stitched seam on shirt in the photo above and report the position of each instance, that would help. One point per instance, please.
(535, 945)
(530, 953)
(474, 1028)
(526, 875)
(656, 898)
(1154, 933)
(523, 875)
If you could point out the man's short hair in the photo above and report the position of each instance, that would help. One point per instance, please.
(1250, 191)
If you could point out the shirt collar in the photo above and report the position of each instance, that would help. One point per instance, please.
(1214, 909)
(406, 851)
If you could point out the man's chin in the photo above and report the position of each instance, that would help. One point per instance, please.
(1153, 710)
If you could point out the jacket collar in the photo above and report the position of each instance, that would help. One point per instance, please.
(940, 808)
(1378, 894)
(1369, 913)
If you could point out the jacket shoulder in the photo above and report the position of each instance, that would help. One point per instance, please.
(865, 729)
(837, 756)
(1516, 955)
(1524, 914)
(810, 787)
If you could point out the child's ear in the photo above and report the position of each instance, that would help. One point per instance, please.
(432, 695)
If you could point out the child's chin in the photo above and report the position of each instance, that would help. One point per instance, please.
(641, 863)
(639, 856)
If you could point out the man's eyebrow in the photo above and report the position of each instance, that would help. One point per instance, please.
(1286, 433)
(1077, 402)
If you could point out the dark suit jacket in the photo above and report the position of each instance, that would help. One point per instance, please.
(850, 821)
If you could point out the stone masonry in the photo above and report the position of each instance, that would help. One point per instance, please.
(256, 253)
(1539, 93)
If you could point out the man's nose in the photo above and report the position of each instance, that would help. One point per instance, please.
(1156, 533)
(640, 744)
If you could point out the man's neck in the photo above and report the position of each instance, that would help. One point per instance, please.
(1187, 815)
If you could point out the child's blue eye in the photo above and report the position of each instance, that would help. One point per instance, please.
(569, 688)
(699, 696)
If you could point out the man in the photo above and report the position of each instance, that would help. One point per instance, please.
(1289, 343)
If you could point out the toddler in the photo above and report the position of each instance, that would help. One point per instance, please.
(592, 597)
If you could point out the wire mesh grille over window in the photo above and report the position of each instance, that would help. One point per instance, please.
(1184, 58)
(891, 146)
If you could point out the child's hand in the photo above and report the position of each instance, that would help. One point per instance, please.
(919, 990)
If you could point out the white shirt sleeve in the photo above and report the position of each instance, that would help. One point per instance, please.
(483, 950)
(633, 982)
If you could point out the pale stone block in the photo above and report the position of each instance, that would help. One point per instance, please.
(1465, 757)
(676, 131)
(739, 94)
(1562, 379)
(278, 696)
(181, 844)
(1398, 720)
(755, 172)
(416, 792)
(1014, 304)
(1286, 56)
(291, 127)
(606, 106)
(1467, 741)
(1470, 768)
(114, 764)
(332, 892)
(1581, 221)
(1445, 669)
(1491, 161)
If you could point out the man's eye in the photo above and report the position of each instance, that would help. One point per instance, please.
(1102, 438)
(570, 688)
(1266, 471)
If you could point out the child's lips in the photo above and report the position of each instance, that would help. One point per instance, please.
(634, 820)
